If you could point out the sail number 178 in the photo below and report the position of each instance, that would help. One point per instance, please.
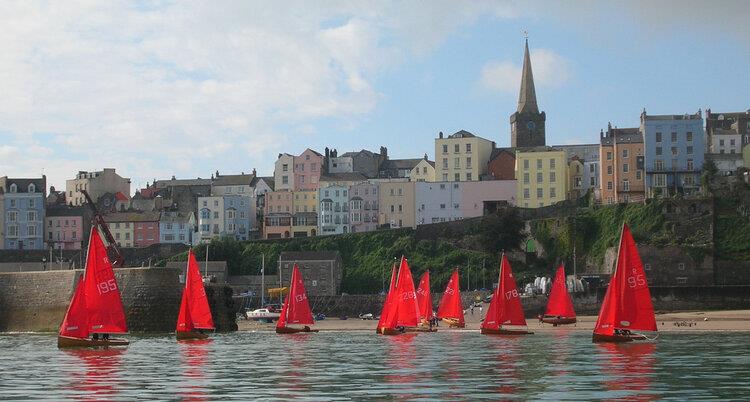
(106, 287)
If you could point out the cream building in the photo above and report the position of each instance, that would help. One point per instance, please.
(461, 156)
(283, 173)
(542, 175)
(396, 201)
(305, 215)
(424, 171)
(96, 184)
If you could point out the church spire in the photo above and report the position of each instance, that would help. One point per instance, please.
(527, 95)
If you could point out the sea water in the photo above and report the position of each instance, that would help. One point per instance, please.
(462, 365)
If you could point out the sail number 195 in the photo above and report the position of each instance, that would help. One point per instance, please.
(106, 287)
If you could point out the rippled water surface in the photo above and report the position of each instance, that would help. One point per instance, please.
(359, 365)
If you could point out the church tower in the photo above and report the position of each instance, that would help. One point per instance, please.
(527, 123)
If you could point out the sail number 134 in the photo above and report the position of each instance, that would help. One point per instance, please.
(106, 287)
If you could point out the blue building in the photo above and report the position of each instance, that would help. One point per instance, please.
(674, 153)
(333, 214)
(239, 216)
(22, 213)
(176, 227)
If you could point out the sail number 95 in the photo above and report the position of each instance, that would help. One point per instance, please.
(106, 287)
(635, 281)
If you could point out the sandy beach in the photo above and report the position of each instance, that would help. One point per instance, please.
(717, 321)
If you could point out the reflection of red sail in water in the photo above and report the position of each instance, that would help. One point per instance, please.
(194, 359)
(627, 303)
(505, 367)
(400, 357)
(100, 379)
(629, 369)
(293, 363)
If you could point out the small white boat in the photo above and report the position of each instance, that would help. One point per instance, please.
(262, 314)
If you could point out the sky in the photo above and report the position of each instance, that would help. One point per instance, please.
(162, 88)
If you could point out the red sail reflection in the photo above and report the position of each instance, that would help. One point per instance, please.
(296, 348)
(400, 359)
(194, 356)
(629, 369)
(101, 376)
(506, 351)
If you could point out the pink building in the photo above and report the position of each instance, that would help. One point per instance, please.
(307, 167)
(475, 193)
(64, 227)
(278, 214)
(145, 229)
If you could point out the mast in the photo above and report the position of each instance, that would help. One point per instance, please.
(262, 280)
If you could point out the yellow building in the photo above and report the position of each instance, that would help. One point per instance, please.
(542, 175)
(424, 171)
(122, 229)
(396, 199)
(575, 179)
(305, 213)
(746, 155)
(461, 157)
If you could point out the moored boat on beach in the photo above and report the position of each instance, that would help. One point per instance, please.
(505, 314)
(559, 306)
(627, 304)
(195, 314)
(96, 307)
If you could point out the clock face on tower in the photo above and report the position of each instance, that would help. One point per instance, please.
(530, 125)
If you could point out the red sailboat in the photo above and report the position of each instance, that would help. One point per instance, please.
(195, 314)
(296, 308)
(505, 307)
(451, 309)
(388, 304)
(560, 306)
(96, 306)
(424, 299)
(627, 304)
(404, 311)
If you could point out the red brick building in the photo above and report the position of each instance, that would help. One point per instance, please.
(502, 164)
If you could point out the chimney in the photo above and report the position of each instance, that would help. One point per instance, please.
(440, 134)
(384, 152)
(254, 173)
(425, 156)
(328, 153)
(217, 173)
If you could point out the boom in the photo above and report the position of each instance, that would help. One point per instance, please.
(98, 220)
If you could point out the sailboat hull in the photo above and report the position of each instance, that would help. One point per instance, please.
(391, 331)
(501, 331)
(420, 329)
(557, 320)
(596, 338)
(290, 330)
(70, 342)
(454, 323)
(190, 335)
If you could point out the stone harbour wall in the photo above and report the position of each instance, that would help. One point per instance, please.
(37, 301)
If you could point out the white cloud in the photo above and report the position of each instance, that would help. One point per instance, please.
(186, 88)
(550, 70)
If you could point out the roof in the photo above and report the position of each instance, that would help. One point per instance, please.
(309, 255)
(721, 131)
(65, 210)
(119, 196)
(132, 217)
(543, 148)
(462, 134)
(181, 182)
(175, 216)
(346, 176)
(631, 135)
(313, 151)
(685, 116)
(267, 179)
(397, 164)
(497, 151)
(362, 151)
(234, 180)
(527, 94)
(22, 185)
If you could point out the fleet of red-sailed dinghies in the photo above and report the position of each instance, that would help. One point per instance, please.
(96, 311)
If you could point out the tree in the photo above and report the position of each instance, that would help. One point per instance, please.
(500, 231)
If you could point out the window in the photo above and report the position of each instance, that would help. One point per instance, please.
(456, 148)
(689, 149)
(445, 176)
(442, 186)
(31, 230)
(592, 181)
(455, 185)
(13, 188)
(526, 164)
(674, 137)
(660, 180)
(468, 176)
(540, 193)
(445, 148)
(592, 168)
(609, 156)
(689, 164)
(538, 163)
(525, 178)
(625, 185)
(647, 267)
(551, 163)
(216, 215)
(689, 136)
(526, 193)
(609, 185)
(284, 179)
(285, 167)
(445, 163)
(12, 203)
(457, 177)
(393, 208)
(442, 206)
(31, 200)
(609, 169)
(681, 266)
(658, 165)
(552, 192)
(12, 230)
(552, 177)
(625, 168)
(658, 136)
(689, 180)
(674, 151)
(681, 280)
(539, 177)
(624, 153)
(468, 162)
(658, 151)
(400, 208)
(400, 192)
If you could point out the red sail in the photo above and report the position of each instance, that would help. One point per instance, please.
(406, 298)
(505, 306)
(388, 304)
(76, 320)
(450, 304)
(559, 303)
(296, 309)
(424, 297)
(194, 309)
(102, 295)
(627, 304)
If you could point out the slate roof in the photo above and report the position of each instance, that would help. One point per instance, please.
(462, 134)
(66, 210)
(22, 185)
(497, 151)
(347, 176)
(398, 164)
(630, 135)
(234, 180)
(132, 217)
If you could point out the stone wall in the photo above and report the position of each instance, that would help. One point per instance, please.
(37, 301)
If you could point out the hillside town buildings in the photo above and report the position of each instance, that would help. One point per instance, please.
(22, 207)
(96, 184)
